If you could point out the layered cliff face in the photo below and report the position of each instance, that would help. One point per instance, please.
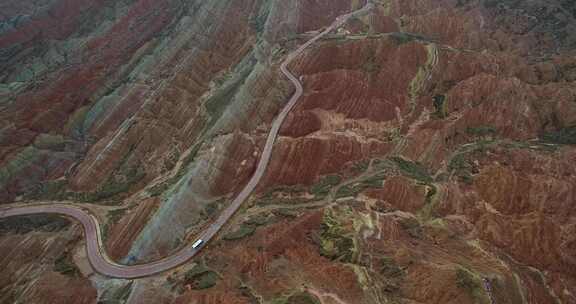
(429, 160)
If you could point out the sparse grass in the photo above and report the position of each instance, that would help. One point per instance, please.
(64, 265)
(105, 231)
(23, 159)
(211, 208)
(201, 277)
(258, 21)
(427, 212)
(120, 181)
(458, 162)
(293, 189)
(116, 295)
(249, 293)
(361, 166)
(114, 186)
(430, 194)
(466, 280)
(158, 189)
(171, 160)
(389, 268)
(115, 215)
(413, 227)
(466, 178)
(38, 222)
(242, 232)
(536, 146)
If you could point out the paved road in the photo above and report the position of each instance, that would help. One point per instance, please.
(94, 245)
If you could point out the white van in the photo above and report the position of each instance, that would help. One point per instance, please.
(197, 243)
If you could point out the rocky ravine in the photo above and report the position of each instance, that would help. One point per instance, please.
(433, 148)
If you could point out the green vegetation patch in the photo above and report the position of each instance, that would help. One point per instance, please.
(270, 199)
(201, 277)
(117, 184)
(347, 191)
(412, 169)
(461, 166)
(361, 166)
(439, 102)
(64, 265)
(171, 161)
(491, 3)
(160, 188)
(38, 222)
(120, 181)
(258, 21)
(335, 242)
(248, 293)
(375, 181)
(413, 227)
(482, 131)
(353, 190)
(323, 187)
(115, 215)
(564, 136)
(25, 158)
(257, 220)
(54, 190)
(242, 232)
(389, 268)
(402, 38)
(49, 142)
(231, 83)
(212, 208)
(471, 283)
(428, 211)
(116, 295)
(279, 300)
(302, 298)
(286, 213)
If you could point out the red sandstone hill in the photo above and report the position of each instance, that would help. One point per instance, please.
(430, 159)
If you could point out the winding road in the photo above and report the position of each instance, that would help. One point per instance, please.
(94, 244)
